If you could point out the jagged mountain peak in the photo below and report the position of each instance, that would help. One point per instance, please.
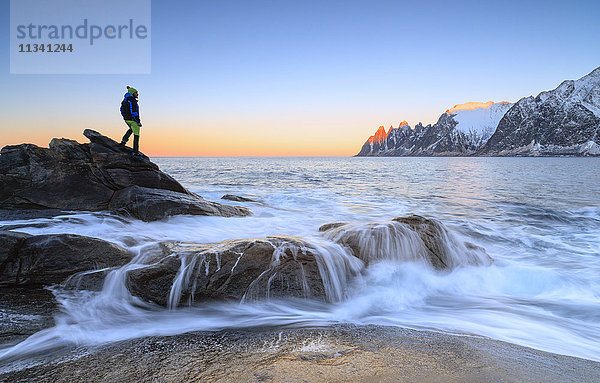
(379, 136)
(562, 121)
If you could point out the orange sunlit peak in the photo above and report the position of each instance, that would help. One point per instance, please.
(379, 136)
(403, 123)
(473, 105)
(380, 132)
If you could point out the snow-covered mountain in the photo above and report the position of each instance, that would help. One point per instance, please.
(479, 124)
(461, 130)
(563, 121)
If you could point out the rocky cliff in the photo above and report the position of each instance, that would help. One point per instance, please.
(457, 132)
(563, 121)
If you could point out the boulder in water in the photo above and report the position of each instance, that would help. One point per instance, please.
(72, 176)
(410, 238)
(448, 249)
(149, 204)
(52, 258)
(247, 269)
(329, 226)
(237, 198)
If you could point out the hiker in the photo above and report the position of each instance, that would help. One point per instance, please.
(131, 114)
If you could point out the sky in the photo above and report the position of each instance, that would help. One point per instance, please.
(306, 78)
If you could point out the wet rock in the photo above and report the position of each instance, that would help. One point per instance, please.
(50, 259)
(25, 311)
(335, 353)
(87, 280)
(411, 238)
(72, 176)
(237, 198)
(11, 243)
(154, 204)
(448, 250)
(28, 214)
(329, 226)
(247, 269)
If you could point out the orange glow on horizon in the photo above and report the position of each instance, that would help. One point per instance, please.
(168, 142)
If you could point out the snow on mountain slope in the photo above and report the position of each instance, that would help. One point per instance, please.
(479, 124)
(585, 91)
(562, 121)
(462, 130)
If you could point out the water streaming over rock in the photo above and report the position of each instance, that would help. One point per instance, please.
(407, 239)
(198, 273)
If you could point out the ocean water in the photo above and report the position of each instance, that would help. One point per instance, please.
(538, 218)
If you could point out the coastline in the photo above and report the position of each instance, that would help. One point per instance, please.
(345, 352)
(336, 353)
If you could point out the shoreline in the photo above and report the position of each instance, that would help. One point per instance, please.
(335, 353)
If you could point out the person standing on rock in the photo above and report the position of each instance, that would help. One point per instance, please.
(131, 114)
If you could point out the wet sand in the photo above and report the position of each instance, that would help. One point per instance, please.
(332, 354)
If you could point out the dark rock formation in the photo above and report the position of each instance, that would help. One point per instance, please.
(11, 243)
(73, 176)
(231, 270)
(92, 280)
(153, 204)
(329, 226)
(251, 269)
(237, 198)
(23, 312)
(563, 121)
(410, 238)
(50, 259)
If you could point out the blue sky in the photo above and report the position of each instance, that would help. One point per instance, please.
(308, 77)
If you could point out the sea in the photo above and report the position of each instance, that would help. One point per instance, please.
(537, 218)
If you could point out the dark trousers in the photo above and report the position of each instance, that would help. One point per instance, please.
(136, 140)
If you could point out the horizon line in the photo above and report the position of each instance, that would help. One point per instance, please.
(251, 156)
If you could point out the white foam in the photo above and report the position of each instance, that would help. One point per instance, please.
(542, 290)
